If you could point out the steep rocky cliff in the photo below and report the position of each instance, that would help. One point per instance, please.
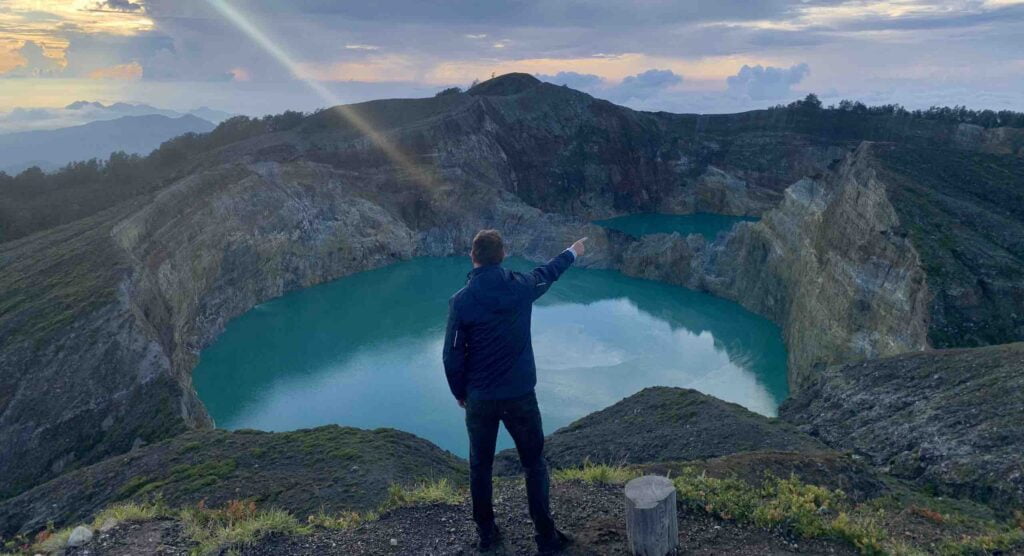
(950, 420)
(102, 318)
(895, 249)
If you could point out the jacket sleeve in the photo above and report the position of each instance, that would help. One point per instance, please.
(454, 354)
(540, 279)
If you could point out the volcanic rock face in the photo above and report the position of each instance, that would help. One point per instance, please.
(950, 419)
(832, 266)
(102, 318)
(877, 257)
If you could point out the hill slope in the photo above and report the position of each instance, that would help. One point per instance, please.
(51, 149)
(101, 318)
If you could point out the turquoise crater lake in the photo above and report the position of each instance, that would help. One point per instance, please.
(703, 223)
(365, 351)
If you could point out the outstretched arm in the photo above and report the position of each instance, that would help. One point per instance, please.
(541, 278)
(454, 355)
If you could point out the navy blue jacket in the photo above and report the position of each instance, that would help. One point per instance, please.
(488, 354)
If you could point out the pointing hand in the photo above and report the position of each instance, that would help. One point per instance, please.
(579, 248)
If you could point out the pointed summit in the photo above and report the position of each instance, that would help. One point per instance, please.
(505, 85)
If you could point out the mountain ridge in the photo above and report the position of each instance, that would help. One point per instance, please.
(136, 289)
(132, 134)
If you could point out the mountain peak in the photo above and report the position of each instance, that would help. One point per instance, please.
(79, 104)
(505, 85)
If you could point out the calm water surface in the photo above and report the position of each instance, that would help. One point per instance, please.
(365, 351)
(703, 223)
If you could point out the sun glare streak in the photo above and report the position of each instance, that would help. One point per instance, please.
(243, 23)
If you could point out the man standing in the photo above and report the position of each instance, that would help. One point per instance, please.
(488, 359)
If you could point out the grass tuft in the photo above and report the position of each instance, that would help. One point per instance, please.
(427, 492)
(131, 511)
(597, 473)
(343, 521)
(805, 510)
(992, 543)
(237, 524)
(54, 542)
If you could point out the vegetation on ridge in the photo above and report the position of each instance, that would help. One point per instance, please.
(956, 114)
(811, 511)
(241, 523)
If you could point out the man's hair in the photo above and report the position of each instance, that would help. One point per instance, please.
(488, 247)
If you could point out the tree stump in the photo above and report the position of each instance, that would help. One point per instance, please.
(652, 526)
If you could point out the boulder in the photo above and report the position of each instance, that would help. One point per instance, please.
(79, 536)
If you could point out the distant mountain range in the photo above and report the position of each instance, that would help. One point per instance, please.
(130, 109)
(51, 149)
(84, 111)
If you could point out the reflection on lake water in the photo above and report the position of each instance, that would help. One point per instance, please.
(365, 351)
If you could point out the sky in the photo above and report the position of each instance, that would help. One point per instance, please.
(707, 56)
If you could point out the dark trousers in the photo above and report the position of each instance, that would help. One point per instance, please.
(521, 417)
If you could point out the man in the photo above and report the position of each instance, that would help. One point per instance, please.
(488, 359)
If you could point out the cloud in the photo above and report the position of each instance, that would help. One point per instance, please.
(581, 81)
(765, 83)
(36, 62)
(647, 84)
(131, 70)
(118, 6)
(608, 51)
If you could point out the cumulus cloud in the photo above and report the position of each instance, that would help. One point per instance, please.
(643, 85)
(651, 89)
(766, 83)
(647, 84)
(581, 81)
(430, 43)
(118, 6)
(36, 64)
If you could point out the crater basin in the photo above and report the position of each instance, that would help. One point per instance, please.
(365, 351)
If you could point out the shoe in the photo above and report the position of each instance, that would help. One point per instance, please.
(554, 544)
(491, 540)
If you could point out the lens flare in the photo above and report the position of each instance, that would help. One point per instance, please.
(244, 24)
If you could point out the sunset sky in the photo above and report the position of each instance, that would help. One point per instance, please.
(258, 56)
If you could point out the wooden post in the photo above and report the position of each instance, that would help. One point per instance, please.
(651, 523)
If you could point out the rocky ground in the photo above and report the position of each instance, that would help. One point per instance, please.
(348, 491)
(951, 420)
(590, 513)
(331, 468)
(665, 424)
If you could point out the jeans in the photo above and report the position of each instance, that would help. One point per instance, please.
(521, 417)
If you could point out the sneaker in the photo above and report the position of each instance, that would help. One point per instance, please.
(554, 544)
(491, 540)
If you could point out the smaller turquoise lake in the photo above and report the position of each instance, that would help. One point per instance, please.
(365, 351)
(703, 223)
